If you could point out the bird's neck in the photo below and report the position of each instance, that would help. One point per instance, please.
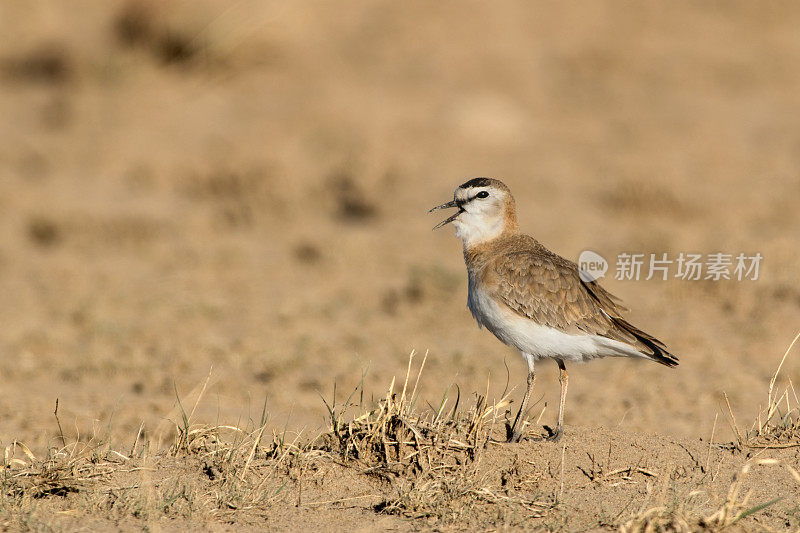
(480, 233)
(479, 228)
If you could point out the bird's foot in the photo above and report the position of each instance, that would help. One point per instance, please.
(554, 436)
(514, 433)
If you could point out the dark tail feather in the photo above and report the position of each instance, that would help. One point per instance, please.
(659, 351)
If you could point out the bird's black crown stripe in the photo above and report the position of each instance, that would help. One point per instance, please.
(477, 182)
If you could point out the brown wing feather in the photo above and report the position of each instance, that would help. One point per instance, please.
(547, 288)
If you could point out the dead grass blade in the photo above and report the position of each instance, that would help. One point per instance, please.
(778, 424)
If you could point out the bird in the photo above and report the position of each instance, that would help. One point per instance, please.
(533, 299)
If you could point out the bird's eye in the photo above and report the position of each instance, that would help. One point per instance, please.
(482, 194)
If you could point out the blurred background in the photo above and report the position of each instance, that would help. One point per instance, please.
(243, 186)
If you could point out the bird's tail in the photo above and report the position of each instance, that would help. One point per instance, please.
(657, 350)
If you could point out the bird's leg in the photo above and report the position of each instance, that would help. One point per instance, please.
(515, 432)
(564, 379)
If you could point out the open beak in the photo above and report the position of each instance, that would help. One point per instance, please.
(451, 203)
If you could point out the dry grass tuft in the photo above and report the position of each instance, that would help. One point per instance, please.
(778, 424)
(62, 472)
(208, 471)
(246, 470)
(398, 438)
(688, 514)
(77, 471)
(432, 457)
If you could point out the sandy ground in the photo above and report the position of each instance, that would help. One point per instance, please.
(188, 187)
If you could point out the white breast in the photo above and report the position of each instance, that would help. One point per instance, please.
(537, 340)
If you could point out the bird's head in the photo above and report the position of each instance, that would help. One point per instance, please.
(485, 211)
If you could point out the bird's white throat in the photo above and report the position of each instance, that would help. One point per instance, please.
(474, 228)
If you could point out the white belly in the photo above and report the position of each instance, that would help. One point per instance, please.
(537, 340)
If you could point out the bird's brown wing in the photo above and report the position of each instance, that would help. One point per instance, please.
(547, 289)
(550, 292)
